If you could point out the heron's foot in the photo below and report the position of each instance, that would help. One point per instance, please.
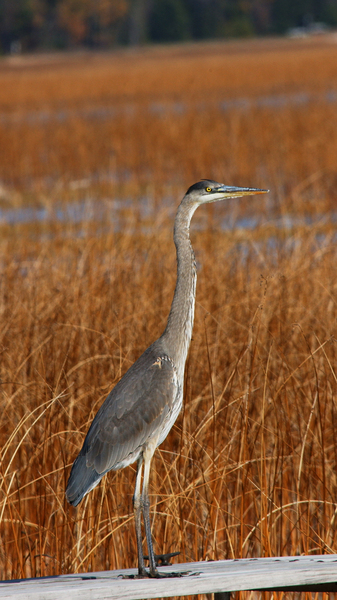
(156, 575)
(162, 575)
(142, 574)
(163, 560)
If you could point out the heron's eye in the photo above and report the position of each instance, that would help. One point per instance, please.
(208, 189)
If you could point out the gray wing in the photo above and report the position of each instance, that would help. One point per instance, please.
(134, 411)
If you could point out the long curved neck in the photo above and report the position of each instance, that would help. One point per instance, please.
(178, 332)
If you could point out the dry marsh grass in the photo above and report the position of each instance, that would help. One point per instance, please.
(249, 468)
(140, 122)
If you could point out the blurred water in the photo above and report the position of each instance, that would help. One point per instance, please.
(81, 211)
(106, 113)
(112, 210)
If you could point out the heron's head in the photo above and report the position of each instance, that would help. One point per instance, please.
(208, 190)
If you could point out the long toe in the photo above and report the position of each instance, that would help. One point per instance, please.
(164, 575)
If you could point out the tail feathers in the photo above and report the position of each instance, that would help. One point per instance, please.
(82, 479)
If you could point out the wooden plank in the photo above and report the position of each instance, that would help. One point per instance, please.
(286, 573)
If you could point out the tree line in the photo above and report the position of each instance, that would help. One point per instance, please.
(29, 25)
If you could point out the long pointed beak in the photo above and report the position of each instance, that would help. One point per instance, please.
(234, 192)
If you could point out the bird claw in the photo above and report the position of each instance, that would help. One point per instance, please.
(156, 575)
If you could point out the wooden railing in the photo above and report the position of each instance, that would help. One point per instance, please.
(297, 573)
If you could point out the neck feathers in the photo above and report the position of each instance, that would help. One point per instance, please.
(179, 327)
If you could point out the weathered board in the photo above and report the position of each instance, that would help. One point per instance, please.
(307, 573)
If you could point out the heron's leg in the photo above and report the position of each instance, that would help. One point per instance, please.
(146, 511)
(137, 509)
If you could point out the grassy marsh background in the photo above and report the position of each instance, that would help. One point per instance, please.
(102, 147)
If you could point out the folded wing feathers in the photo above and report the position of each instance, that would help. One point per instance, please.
(130, 415)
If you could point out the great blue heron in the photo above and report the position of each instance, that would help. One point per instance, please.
(141, 409)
